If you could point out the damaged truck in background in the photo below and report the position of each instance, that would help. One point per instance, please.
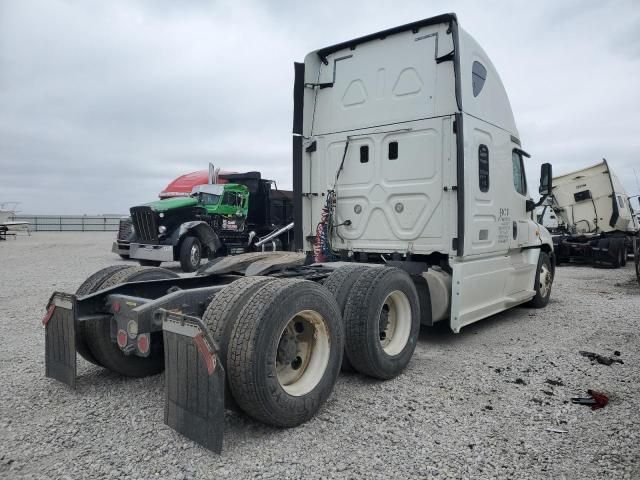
(403, 217)
(597, 222)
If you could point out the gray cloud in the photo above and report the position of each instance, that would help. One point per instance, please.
(104, 102)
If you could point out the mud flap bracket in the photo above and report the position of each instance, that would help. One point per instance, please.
(60, 338)
(194, 381)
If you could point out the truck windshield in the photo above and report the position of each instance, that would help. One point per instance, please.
(209, 198)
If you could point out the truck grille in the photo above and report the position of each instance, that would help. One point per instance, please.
(144, 221)
(124, 229)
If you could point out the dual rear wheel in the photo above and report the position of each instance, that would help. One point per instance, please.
(282, 342)
(382, 322)
(94, 340)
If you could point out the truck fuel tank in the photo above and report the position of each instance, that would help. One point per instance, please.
(439, 283)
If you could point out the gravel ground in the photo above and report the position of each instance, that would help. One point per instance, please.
(476, 404)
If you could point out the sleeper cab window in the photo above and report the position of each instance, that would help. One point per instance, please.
(393, 150)
(519, 181)
(478, 77)
(364, 154)
(483, 168)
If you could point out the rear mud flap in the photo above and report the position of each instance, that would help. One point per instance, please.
(194, 381)
(60, 338)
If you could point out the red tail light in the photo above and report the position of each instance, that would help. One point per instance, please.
(143, 343)
(122, 338)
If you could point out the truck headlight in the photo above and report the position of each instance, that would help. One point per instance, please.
(162, 229)
(161, 215)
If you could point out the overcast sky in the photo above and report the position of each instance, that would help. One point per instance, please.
(103, 103)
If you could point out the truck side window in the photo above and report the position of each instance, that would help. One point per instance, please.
(519, 180)
(478, 77)
(229, 198)
(483, 168)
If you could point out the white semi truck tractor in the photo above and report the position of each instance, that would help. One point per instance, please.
(599, 224)
(411, 207)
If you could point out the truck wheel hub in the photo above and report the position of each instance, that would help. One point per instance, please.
(384, 322)
(545, 281)
(287, 348)
(195, 255)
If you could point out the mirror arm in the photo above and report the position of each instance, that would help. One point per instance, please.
(531, 205)
(542, 199)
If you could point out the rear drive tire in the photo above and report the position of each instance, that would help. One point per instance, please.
(382, 320)
(615, 252)
(543, 282)
(222, 314)
(339, 283)
(285, 352)
(190, 254)
(107, 352)
(636, 259)
(149, 263)
(90, 285)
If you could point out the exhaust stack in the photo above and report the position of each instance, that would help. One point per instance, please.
(213, 174)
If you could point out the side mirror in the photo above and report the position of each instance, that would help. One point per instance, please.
(530, 205)
(545, 179)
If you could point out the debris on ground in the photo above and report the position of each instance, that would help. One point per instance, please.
(600, 358)
(595, 400)
(555, 430)
(555, 383)
(444, 378)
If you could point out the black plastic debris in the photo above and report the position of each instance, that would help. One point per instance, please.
(555, 383)
(595, 400)
(600, 358)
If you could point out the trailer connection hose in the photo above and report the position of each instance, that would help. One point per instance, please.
(322, 247)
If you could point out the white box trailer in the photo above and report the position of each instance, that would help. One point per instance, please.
(599, 222)
(403, 215)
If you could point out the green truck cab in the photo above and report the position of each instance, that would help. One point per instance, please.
(215, 220)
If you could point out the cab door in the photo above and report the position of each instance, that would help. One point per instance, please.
(520, 220)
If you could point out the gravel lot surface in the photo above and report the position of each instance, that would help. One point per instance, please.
(472, 405)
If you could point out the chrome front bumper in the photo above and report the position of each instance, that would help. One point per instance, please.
(120, 248)
(160, 253)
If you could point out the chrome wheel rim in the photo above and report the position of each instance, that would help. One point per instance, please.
(545, 279)
(303, 352)
(195, 254)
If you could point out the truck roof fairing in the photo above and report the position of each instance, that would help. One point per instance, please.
(491, 105)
